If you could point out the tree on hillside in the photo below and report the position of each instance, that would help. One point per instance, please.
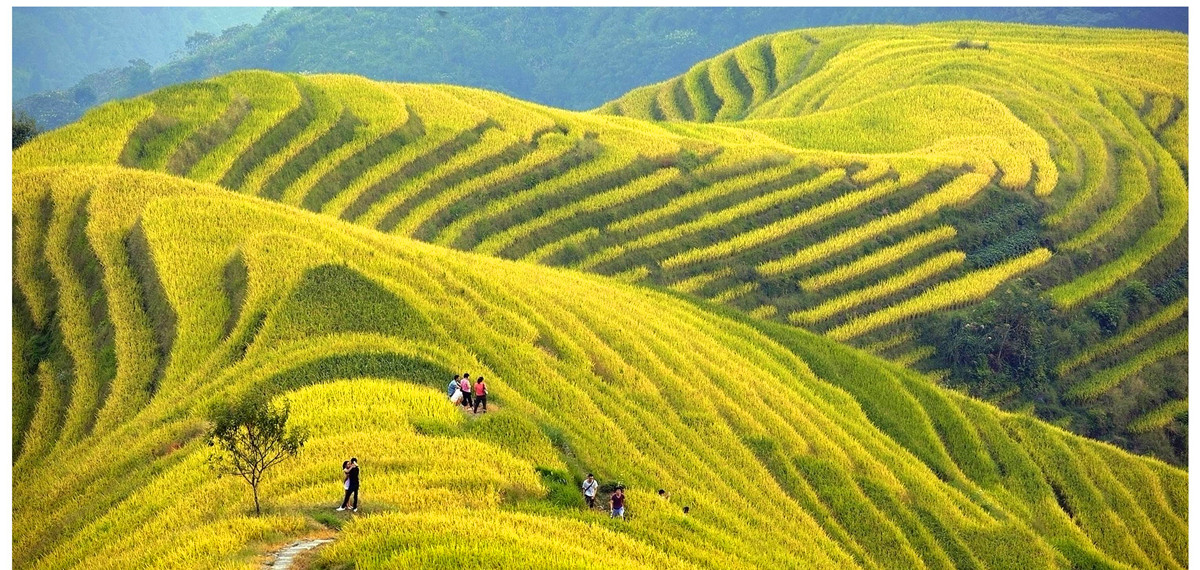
(198, 40)
(251, 436)
(24, 129)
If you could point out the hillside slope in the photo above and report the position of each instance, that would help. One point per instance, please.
(140, 297)
(891, 216)
(480, 171)
(1110, 107)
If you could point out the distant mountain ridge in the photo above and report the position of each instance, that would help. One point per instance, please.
(564, 57)
(55, 47)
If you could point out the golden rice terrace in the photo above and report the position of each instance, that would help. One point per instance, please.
(677, 290)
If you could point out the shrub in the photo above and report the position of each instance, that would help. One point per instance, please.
(1136, 292)
(1108, 313)
(966, 43)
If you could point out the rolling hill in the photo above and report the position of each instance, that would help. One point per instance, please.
(787, 182)
(636, 283)
(1110, 110)
(141, 297)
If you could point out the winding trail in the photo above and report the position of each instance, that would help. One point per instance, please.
(283, 560)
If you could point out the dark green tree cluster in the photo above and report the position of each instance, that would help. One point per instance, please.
(1008, 348)
(24, 129)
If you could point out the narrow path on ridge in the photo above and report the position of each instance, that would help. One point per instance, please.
(284, 558)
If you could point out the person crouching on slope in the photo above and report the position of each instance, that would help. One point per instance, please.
(589, 490)
(616, 503)
(480, 395)
(465, 386)
(452, 387)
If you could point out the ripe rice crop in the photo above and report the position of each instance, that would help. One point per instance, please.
(957, 191)
(781, 228)
(550, 148)
(696, 282)
(892, 341)
(913, 356)
(1173, 194)
(880, 258)
(610, 162)
(327, 111)
(698, 197)
(1107, 379)
(337, 298)
(493, 144)
(1130, 336)
(271, 97)
(596, 202)
(929, 268)
(140, 297)
(970, 287)
(1159, 417)
(734, 292)
(715, 219)
(540, 254)
(764, 312)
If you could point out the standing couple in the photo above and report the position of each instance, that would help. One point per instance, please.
(350, 482)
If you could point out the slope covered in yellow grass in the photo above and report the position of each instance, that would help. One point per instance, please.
(1092, 121)
(1051, 165)
(791, 450)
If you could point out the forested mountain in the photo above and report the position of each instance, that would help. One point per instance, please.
(53, 48)
(575, 58)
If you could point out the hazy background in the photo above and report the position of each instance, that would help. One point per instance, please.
(66, 60)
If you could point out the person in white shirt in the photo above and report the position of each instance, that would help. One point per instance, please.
(590, 485)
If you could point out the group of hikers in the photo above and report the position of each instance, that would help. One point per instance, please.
(461, 391)
(471, 396)
(616, 501)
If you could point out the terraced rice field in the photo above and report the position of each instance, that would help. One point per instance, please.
(630, 281)
(848, 461)
(1092, 111)
(461, 167)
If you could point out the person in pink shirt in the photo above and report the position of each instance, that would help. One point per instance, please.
(465, 386)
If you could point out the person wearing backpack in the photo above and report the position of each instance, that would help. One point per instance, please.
(590, 485)
(480, 395)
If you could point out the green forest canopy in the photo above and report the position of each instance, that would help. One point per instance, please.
(574, 58)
